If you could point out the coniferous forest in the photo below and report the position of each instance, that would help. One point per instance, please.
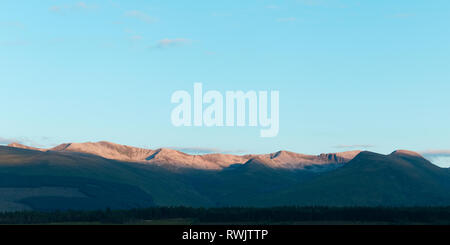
(236, 215)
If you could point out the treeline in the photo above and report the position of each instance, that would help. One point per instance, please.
(429, 215)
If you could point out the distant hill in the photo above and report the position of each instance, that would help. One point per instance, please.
(102, 175)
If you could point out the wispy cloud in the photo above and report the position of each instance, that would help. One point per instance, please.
(136, 14)
(436, 152)
(289, 19)
(402, 15)
(75, 6)
(438, 157)
(219, 14)
(21, 140)
(56, 8)
(206, 150)
(165, 43)
(356, 146)
(5, 141)
(272, 7)
(82, 5)
(12, 24)
(211, 53)
(312, 2)
(13, 43)
(326, 3)
(136, 37)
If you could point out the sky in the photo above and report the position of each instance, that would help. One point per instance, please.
(369, 75)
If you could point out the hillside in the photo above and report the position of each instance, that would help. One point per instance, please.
(69, 179)
(162, 186)
(402, 178)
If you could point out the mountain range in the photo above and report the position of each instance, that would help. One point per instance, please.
(107, 175)
(176, 159)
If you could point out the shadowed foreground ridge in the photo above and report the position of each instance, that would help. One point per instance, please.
(86, 177)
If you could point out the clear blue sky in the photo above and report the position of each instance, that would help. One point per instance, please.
(351, 74)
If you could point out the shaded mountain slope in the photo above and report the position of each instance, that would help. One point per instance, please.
(245, 185)
(400, 179)
(163, 186)
(19, 192)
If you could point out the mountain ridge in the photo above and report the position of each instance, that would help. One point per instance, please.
(217, 161)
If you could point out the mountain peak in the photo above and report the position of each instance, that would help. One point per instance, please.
(260, 160)
(166, 154)
(60, 147)
(106, 150)
(21, 146)
(406, 153)
(285, 155)
(17, 145)
(348, 154)
(168, 151)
